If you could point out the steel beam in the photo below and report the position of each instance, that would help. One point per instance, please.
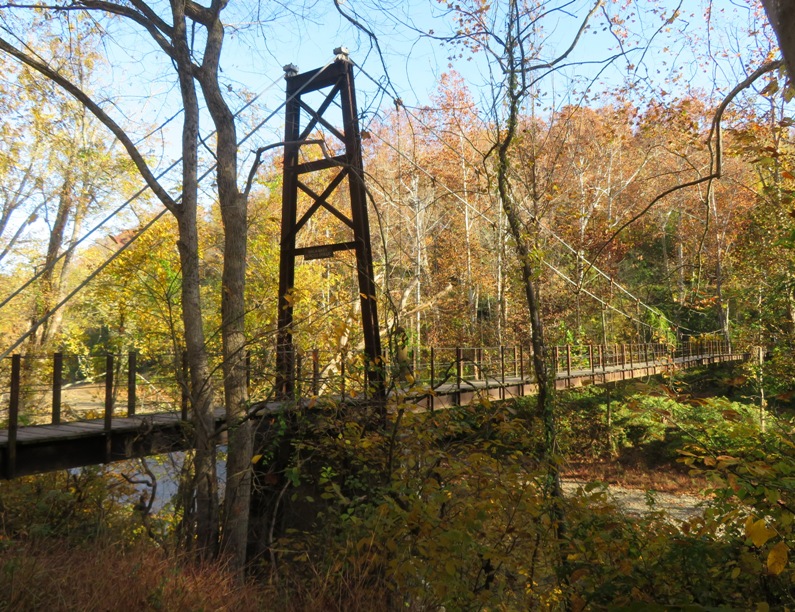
(337, 76)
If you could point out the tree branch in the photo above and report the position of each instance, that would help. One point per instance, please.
(99, 113)
(716, 157)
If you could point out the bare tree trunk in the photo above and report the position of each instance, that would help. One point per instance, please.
(199, 375)
(234, 214)
(723, 307)
(781, 14)
(522, 244)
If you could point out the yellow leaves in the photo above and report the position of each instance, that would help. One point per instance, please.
(770, 89)
(777, 559)
(757, 531)
(256, 459)
(759, 534)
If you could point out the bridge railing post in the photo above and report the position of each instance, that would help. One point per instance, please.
(432, 367)
(502, 372)
(131, 379)
(57, 375)
(299, 369)
(458, 372)
(623, 355)
(432, 376)
(108, 391)
(515, 364)
(108, 424)
(248, 369)
(555, 358)
(315, 372)
(590, 358)
(342, 378)
(568, 360)
(13, 417)
(521, 362)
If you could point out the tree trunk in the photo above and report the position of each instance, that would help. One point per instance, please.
(529, 274)
(234, 215)
(781, 14)
(201, 393)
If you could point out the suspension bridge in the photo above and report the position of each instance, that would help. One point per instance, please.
(441, 379)
(437, 378)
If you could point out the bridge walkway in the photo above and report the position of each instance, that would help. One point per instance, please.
(39, 448)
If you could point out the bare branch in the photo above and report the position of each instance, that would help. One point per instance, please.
(373, 38)
(716, 153)
(99, 113)
(156, 27)
(574, 41)
(143, 16)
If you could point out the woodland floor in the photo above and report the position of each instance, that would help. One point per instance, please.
(632, 479)
(632, 483)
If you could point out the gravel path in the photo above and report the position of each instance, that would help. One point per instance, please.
(635, 501)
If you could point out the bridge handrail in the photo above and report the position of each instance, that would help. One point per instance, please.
(343, 376)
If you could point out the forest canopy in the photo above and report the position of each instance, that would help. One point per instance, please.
(538, 174)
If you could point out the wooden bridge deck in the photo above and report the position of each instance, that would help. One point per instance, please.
(42, 448)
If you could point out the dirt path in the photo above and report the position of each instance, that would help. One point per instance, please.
(680, 507)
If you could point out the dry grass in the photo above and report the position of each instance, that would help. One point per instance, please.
(631, 469)
(108, 578)
(98, 577)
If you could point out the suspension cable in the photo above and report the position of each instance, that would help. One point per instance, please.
(143, 229)
(131, 199)
(538, 222)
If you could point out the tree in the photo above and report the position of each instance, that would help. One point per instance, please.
(781, 14)
(195, 60)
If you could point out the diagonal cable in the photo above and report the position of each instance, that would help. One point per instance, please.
(141, 231)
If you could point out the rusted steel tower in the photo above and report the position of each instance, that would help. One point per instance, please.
(337, 77)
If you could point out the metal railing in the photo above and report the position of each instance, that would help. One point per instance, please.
(126, 385)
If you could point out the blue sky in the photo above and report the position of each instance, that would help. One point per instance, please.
(665, 51)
